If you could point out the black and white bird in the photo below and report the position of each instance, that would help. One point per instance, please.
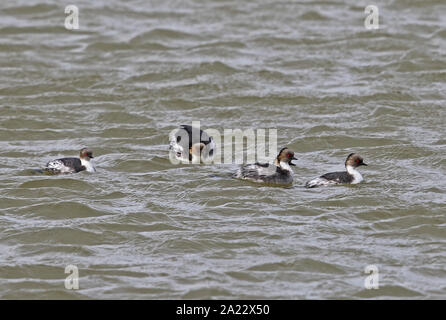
(72, 165)
(351, 176)
(182, 140)
(278, 173)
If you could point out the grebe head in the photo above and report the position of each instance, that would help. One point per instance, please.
(286, 156)
(86, 154)
(354, 160)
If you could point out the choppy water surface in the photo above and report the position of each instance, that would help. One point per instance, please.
(144, 228)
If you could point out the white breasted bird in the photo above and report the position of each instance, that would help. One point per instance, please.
(278, 173)
(351, 176)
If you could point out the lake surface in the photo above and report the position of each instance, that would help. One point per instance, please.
(143, 228)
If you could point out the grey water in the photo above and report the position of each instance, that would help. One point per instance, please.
(144, 228)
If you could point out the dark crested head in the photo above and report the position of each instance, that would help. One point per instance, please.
(286, 155)
(191, 135)
(86, 153)
(354, 160)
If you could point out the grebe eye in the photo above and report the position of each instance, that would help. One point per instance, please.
(357, 160)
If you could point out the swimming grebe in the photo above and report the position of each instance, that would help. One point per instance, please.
(182, 140)
(72, 165)
(278, 173)
(351, 176)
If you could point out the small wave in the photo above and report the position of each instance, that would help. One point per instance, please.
(313, 15)
(63, 210)
(163, 35)
(32, 10)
